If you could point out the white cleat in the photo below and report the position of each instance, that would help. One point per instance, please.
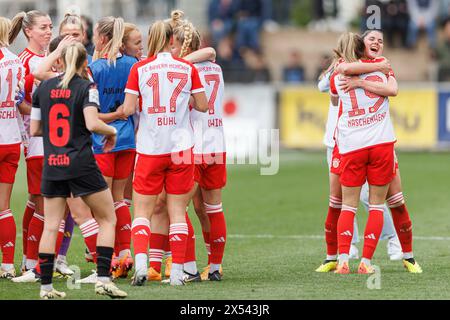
(354, 253)
(91, 279)
(109, 289)
(177, 278)
(62, 267)
(52, 294)
(7, 274)
(394, 249)
(27, 277)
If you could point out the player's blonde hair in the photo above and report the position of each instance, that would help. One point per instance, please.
(113, 29)
(188, 36)
(350, 47)
(159, 36)
(176, 18)
(128, 29)
(5, 25)
(71, 19)
(74, 57)
(24, 20)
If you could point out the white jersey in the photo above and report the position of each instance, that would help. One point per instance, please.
(209, 136)
(11, 73)
(164, 85)
(365, 120)
(31, 61)
(333, 111)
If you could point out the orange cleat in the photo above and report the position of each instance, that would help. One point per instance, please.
(168, 267)
(365, 269)
(126, 264)
(342, 268)
(153, 275)
(115, 267)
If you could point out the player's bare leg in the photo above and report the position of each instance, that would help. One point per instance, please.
(7, 232)
(144, 206)
(402, 223)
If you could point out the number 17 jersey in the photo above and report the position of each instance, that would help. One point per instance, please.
(364, 119)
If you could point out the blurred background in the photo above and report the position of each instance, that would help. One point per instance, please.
(272, 52)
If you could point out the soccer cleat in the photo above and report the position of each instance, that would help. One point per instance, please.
(28, 277)
(52, 294)
(125, 265)
(88, 256)
(62, 268)
(116, 271)
(7, 274)
(365, 269)
(412, 266)
(215, 276)
(153, 275)
(91, 279)
(205, 273)
(168, 267)
(139, 278)
(189, 277)
(177, 278)
(109, 289)
(342, 268)
(354, 253)
(394, 249)
(327, 266)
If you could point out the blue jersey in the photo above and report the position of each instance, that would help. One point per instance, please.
(111, 81)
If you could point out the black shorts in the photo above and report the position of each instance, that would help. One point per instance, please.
(78, 187)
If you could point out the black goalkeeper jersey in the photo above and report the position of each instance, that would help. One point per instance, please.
(67, 141)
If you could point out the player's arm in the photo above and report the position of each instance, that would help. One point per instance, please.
(356, 68)
(112, 116)
(35, 123)
(44, 70)
(204, 54)
(130, 103)
(94, 124)
(389, 89)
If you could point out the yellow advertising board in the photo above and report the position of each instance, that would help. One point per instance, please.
(303, 116)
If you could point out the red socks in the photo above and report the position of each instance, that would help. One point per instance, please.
(190, 246)
(140, 233)
(60, 237)
(7, 236)
(345, 228)
(123, 226)
(89, 230)
(218, 232)
(35, 230)
(157, 243)
(402, 221)
(27, 215)
(373, 230)
(178, 233)
(331, 222)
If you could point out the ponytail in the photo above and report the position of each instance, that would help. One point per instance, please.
(24, 20)
(176, 18)
(113, 29)
(5, 26)
(188, 36)
(158, 37)
(74, 57)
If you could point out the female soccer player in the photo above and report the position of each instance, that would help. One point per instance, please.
(65, 111)
(11, 73)
(37, 28)
(164, 144)
(110, 70)
(373, 41)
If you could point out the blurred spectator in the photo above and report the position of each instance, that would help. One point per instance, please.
(395, 22)
(89, 32)
(250, 17)
(259, 70)
(444, 10)
(221, 18)
(443, 54)
(324, 64)
(423, 14)
(294, 72)
(282, 11)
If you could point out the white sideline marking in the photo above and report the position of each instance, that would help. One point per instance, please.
(320, 237)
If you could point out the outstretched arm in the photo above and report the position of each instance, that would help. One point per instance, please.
(389, 89)
(204, 54)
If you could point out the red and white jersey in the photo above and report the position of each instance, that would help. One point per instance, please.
(31, 61)
(364, 120)
(209, 136)
(11, 73)
(164, 85)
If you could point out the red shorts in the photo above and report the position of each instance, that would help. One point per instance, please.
(35, 166)
(153, 173)
(117, 165)
(336, 161)
(9, 162)
(210, 174)
(376, 164)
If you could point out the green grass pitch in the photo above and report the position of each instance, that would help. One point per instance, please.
(275, 227)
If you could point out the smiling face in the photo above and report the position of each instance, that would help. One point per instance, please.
(41, 32)
(133, 46)
(373, 42)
